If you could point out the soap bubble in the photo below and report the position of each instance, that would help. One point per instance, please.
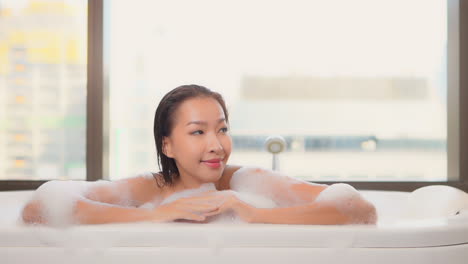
(347, 200)
(258, 187)
(271, 184)
(58, 198)
(225, 217)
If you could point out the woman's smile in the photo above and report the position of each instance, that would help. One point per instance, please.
(213, 163)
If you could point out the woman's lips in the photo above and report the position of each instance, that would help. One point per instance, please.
(214, 163)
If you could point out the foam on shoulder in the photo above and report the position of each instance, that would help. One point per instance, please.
(271, 184)
(346, 199)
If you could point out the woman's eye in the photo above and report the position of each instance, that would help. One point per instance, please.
(224, 129)
(198, 132)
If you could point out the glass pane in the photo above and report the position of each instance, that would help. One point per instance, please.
(356, 93)
(42, 89)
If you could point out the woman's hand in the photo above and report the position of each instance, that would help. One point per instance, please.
(199, 207)
(245, 211)
(195, 208)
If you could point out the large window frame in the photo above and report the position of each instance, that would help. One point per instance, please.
(97, 143)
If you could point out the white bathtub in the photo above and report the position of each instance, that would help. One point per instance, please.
(392, 240)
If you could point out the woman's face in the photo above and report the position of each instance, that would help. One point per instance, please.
(199, 142)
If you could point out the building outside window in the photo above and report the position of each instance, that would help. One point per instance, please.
(42, 89)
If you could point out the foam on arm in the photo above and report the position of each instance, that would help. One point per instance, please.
(56, 201)
(346, 199)
(284, 190)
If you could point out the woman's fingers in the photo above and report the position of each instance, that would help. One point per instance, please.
(197, 208)
(203, 210)
(215, 212)
(195, 217)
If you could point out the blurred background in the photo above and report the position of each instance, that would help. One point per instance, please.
(358, 88)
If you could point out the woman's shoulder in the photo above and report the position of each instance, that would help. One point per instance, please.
(223, 183)
(143, 177)
(144, 186)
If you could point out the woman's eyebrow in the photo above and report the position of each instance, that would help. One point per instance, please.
(196, 122)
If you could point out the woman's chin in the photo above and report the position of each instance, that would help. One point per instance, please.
(212, 174)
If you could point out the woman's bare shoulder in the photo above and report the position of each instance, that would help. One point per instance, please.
(223, 183)
(141, 188)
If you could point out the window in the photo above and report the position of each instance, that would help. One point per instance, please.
(259, 59)
(42, 89)
(357, 94)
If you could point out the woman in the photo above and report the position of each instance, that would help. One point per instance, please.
(193, 147)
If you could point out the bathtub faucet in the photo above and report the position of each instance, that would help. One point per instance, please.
(275, 145)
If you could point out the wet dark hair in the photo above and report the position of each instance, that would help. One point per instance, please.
(164, 123)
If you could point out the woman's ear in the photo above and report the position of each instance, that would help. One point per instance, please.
(167, 147)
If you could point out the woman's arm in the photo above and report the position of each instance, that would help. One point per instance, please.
(32, 213)
(133, 191)
(90, 212)
(283, 189)
(191, 208)
(90, 202)
(76, 209)
(317, 213)
(299, 202)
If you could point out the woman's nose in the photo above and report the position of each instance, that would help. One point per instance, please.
(214, 145)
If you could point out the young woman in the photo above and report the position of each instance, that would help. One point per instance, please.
(193, 147)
